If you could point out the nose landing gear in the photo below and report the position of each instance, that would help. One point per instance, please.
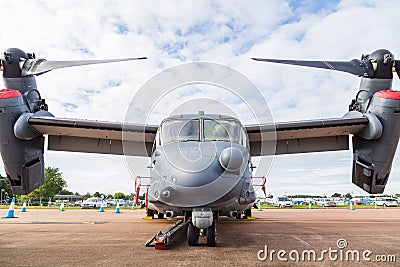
(199, 222)
(194, 233)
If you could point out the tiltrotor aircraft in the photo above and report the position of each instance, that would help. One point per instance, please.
(200, 163)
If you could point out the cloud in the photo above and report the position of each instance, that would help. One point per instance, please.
(225, 32)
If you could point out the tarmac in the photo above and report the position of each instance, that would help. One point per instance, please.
(49, 237)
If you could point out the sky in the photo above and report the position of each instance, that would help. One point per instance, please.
(230, 32)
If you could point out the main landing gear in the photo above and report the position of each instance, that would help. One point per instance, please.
(150, 214)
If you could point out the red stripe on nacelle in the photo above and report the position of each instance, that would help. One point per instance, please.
(390, 94)
(9, 93)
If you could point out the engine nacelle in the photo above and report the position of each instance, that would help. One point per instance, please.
(23, 159)
(372, 159)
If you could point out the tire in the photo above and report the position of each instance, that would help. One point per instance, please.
(160, 216)
(192, 235)
(247, 213)
(239, 215)
(150, 213)
(211, 236)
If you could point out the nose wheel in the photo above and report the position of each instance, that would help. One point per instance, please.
(212, 235)
(194, 233)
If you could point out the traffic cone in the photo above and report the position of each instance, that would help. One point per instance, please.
(102, 206)
(10, 213)
(62, 206)
(351, 206)
(24, 207)
(117, 209)
(259, 206)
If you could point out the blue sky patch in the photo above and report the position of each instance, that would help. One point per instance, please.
(70, 107)
(114, 83)
(122, 28)
(312, 6)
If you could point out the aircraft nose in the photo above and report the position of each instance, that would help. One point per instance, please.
(188, 175)
(231, 159)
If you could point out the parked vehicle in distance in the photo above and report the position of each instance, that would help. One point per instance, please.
(386, 202)
(113, 202)
(93, 202)
(283, 201)
(298, 202)
(325, 202)
(339, 201)
(78, 203)
(267, 202)
(363, 201)
(50, 203)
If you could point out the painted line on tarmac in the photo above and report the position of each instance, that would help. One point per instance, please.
(50, 222)
(395, 221)
(89, 222)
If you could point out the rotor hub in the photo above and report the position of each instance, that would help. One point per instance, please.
(382, 61)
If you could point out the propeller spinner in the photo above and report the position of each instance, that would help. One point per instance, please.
(380, 64)
(16, 63)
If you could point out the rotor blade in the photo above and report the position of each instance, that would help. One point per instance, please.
(397, 67)
(356, 67)
(39, 66)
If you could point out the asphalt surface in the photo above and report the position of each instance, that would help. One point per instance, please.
(93, 238)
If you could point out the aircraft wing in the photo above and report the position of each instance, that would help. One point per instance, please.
(106, 137)
(95, 136)
(304, 136)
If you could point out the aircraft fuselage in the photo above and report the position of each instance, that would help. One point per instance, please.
(201, 162)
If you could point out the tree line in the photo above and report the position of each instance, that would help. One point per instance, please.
(54, 185)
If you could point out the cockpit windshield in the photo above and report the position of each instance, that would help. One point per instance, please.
(180, 130)
(222, 130)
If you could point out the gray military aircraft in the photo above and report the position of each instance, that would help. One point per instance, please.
(201, 164)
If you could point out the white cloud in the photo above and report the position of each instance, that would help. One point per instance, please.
(226, 32)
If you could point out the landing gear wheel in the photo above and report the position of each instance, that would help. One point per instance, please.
(247, 213)
(192, 235)
(150, 213)
(211, 236)
(160, 216)
(239, 215)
